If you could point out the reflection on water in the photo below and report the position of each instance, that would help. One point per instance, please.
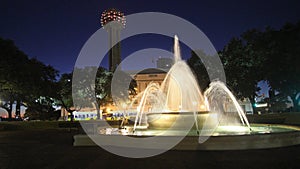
(219, 131)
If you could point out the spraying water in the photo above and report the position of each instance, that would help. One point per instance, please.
(223, 101)
(181, 93)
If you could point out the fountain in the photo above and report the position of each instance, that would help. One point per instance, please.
(178, 107)
(179, 99)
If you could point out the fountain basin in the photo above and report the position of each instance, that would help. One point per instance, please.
(186, 120)
(175, 120)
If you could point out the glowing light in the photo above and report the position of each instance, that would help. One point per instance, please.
(202, 107)
(261, 105)
(112, 15)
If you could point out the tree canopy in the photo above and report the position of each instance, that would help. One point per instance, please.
(270, 55)
(22, 79)
(87, 91)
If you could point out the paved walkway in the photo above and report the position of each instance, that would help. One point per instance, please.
(53, 149)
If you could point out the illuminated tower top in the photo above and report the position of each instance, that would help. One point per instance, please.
(113, 14)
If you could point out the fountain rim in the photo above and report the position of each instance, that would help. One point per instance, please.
(221, 142)
(179, 112)
(293, 129)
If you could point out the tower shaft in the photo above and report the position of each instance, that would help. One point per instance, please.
(115, 48)
(113, 21)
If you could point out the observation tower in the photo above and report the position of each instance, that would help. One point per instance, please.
(113, 21)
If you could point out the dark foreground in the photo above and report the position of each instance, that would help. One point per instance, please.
(53, 149)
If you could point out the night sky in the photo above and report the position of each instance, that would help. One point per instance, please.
(54, 31)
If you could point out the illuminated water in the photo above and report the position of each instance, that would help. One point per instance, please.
(179, 92)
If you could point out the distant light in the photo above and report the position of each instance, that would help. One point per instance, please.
(261, 105)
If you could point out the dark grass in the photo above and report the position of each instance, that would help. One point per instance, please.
(49, 145)
(52, 148)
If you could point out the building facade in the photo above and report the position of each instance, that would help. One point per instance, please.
(147, 76)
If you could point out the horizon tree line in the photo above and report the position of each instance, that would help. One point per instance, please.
(257, 55)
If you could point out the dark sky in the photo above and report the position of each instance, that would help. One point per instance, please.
(54, 31)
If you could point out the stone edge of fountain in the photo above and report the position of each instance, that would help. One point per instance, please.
(224, 142)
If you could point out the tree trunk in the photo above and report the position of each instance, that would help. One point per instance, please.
(296, 107)
(10, 110)
(18, 108)
(99, 114)
(71, 114)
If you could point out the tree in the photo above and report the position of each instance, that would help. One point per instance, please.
(23, 80)
(84, 91)
(281, 48)
(42, 109)
(270, 55)
(199, 69)
(12, 62)
(91, 91)
(242, 67)
(122, 89)
(102, 89)
(65, 94)
(40, 87)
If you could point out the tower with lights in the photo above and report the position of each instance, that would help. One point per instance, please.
(113, 21)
